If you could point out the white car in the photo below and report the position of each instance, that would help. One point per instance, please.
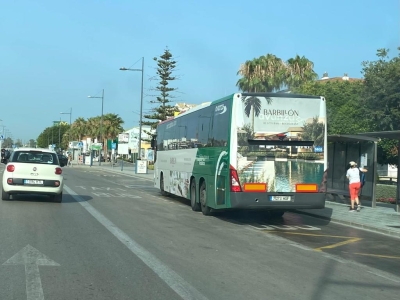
(33, 171)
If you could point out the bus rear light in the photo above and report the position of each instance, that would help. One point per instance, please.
(255, 187)
(306, 188)
(235, 183)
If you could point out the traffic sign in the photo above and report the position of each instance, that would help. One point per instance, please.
(1, 137)
(80, 145)
(114, 146)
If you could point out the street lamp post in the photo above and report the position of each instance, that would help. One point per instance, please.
(70, 115)
(1, 141)
(141, 107)
(59, 134)
(101, 124)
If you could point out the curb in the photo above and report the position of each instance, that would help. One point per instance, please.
(389, 232)
(125, 174)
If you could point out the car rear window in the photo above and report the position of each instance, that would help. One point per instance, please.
(36, 157)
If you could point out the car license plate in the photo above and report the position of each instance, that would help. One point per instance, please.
(280, 198)
(31, 181)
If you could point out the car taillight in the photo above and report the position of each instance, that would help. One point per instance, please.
(9, 180)
(235, 183)
(58, 171)
(10, 168)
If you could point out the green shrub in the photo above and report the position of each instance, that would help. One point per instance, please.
(385, 193)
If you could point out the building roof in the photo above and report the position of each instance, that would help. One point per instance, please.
(184, 106)
(345, 77)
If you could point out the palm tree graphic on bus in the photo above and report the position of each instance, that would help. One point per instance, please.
(252, 105)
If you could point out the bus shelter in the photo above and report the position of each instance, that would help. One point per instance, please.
(394, 135)
(361, 148)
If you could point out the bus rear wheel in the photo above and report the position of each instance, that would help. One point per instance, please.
(195, 205)
(163, 192)
(206, 210)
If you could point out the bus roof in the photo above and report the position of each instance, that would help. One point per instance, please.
(205, 104)
(281, 95)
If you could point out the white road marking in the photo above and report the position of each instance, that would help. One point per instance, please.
(380, 275)
(308, 227)
(115, 195)
(301, 247)
(32, 258)
(170, 277)
(284, 227)
(335, 258)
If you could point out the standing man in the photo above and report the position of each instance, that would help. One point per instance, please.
(353, 174)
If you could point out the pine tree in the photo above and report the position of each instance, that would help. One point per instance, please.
(165, 67)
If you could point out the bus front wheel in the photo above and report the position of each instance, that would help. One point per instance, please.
(206, 210)
(195, 205)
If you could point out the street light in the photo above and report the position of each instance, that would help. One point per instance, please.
(101, 124)
(70, 115)
(141, 107)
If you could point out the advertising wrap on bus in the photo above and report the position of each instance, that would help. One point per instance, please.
(272, 141)
(246, 151)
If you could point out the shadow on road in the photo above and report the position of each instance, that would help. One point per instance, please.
(42, 198)
(265, 218)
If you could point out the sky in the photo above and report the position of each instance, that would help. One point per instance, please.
(53, 54)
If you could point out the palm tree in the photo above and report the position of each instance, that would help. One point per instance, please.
(250, 81)
(78, 128)
(93, 127)
(299, 71)
(112, 126)
(272, 72)
(263, 74)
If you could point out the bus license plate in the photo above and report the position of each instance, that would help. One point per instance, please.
(280, 198)
(27, 181)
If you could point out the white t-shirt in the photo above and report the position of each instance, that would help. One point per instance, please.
(353, 174)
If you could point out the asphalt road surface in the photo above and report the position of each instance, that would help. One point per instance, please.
(115, 237)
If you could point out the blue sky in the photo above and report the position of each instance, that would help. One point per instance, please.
(56, 53)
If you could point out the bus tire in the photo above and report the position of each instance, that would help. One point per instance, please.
(163, 192)
(195, 205)
(276, 213)
(206, 210)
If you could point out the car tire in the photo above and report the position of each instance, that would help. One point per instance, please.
(58, 198)
(4, 195)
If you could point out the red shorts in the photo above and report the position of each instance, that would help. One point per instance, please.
(354, 188)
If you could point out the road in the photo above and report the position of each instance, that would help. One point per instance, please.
(115, 237)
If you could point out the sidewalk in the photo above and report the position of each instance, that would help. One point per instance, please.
(383, 219)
